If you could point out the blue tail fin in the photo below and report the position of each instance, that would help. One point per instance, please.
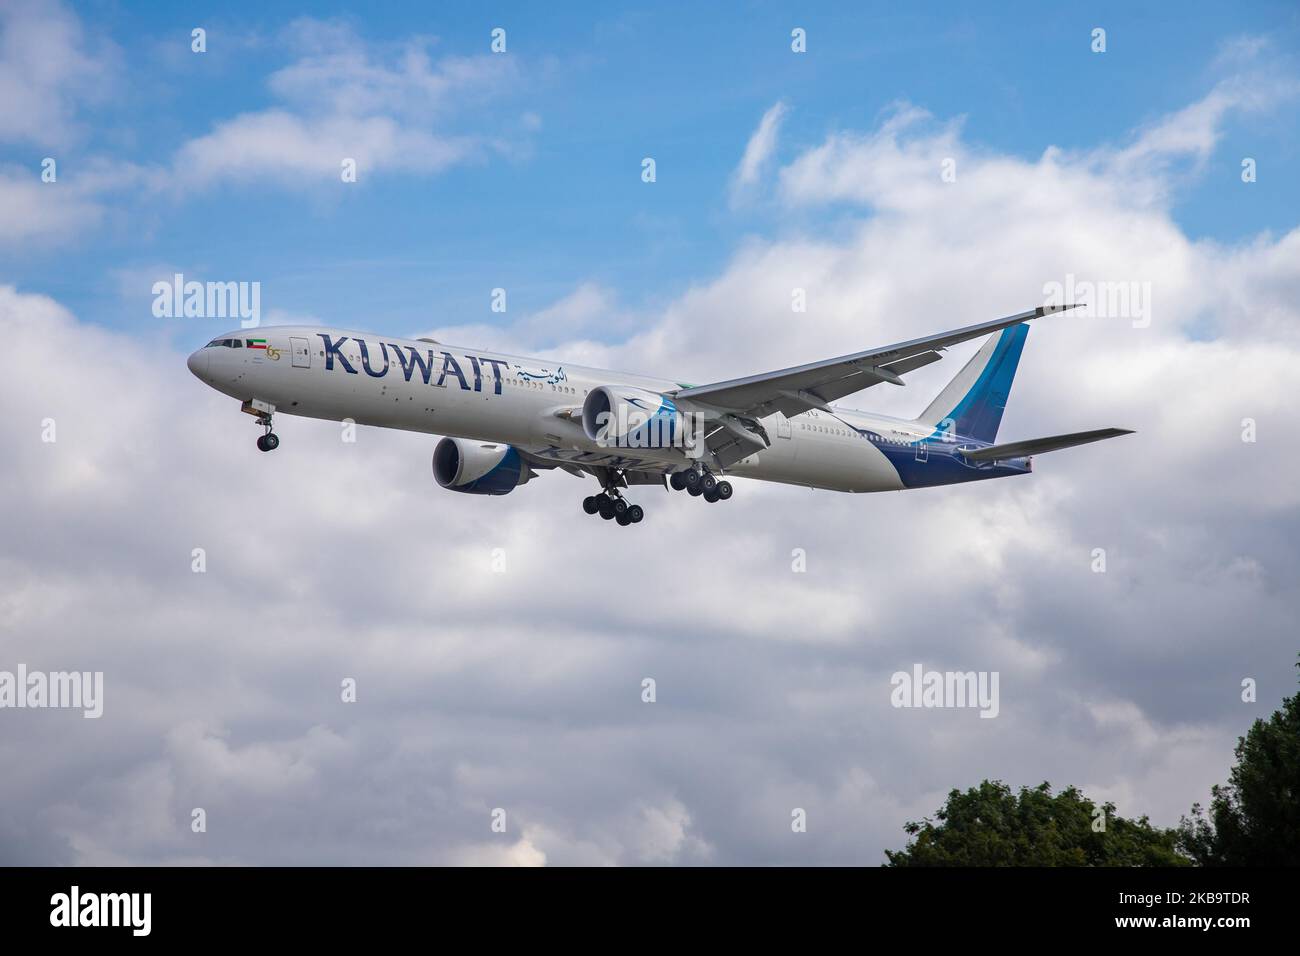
(971, 404)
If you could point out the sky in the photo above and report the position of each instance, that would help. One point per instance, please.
(910, 170)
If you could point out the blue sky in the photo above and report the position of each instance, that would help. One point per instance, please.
(776, 173)
(593, 91)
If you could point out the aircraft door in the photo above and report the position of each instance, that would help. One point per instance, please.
(782, 426)
(301, 352)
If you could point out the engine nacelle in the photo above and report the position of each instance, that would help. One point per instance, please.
(618, 416)
(478, 468)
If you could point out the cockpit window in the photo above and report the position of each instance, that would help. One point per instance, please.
(225, 344)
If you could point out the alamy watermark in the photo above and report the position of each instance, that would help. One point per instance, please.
(75, 908)
(208, 300)
(634, 428)
(1127, 299)
(944, 689)
(83, 690)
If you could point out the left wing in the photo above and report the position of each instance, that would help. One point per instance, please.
(793, 391)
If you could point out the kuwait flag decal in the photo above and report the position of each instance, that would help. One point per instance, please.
(257, 344)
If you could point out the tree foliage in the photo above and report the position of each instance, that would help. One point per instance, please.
(989, 825)
(1254, 819)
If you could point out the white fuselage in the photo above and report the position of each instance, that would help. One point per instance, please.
(532, 404)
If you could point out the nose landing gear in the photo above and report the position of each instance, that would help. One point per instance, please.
(262, 411)
(270, 441)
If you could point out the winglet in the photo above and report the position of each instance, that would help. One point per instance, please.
(1052, 309)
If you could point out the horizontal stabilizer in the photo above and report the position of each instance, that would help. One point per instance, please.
(1037, 446)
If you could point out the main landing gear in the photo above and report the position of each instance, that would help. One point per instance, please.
(613, 506)
(700, 483)
(610, 503)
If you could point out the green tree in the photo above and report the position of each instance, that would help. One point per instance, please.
(989, 825)
(1254, 819)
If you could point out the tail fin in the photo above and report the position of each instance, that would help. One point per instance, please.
(971, 404)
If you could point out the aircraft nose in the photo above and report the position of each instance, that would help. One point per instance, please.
(198, 362)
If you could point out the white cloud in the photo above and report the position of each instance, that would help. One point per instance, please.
(521, 852)
(41, 214)
(891, 167)
(44, 212)
(387, 108)
(521, 690)
(51, 70)
(340, 75)
(1188, 137)
(759, 149)
(899, 165)
(275, 145)
(50, 67)
(589, 309)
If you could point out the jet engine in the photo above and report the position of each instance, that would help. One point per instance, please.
(625, 417)
(478, 468)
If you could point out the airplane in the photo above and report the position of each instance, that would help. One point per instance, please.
(505, 418)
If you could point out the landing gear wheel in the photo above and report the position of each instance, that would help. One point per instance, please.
(694, 490)
(271, 440)
(590, 505)
(724, 490)
(623, 519)
(606, 509)
(711, 495)
(692, 479)
(708, 482)
(261, 443)
(635, 514)
(678, 481)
